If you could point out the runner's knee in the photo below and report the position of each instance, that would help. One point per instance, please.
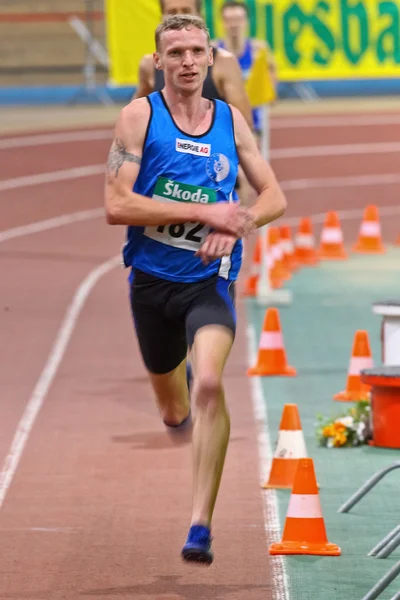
(208, 391)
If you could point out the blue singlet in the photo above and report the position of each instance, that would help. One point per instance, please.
(177, 167)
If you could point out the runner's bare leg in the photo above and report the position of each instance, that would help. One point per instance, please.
(211, 429)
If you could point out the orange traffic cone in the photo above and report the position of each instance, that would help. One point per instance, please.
(306, 253)
(361, 358)
(289, 258)
(304, 531)
(278, 272)
(271, 359)
(397, 243)
(274, 281)
(369, 238)
(289, 448)
(251, 282)
(332, 247)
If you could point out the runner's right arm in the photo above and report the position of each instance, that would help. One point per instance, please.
(125, 207)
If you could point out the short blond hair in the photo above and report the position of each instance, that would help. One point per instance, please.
(179, 22)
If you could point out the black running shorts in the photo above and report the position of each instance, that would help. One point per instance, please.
(167, 315)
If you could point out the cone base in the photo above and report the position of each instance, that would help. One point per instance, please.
(284, 275)
(333, 256)
(250, 288)
(249, 294)
(292, 265)
(276, 284)
(309, 262)
(270, 297)
(349, 396)
(325, 549)
(273, 298)
(283, 470)
(264, 372)
(361, 250)
(271, 486)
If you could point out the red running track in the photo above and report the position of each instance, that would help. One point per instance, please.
(96, 503)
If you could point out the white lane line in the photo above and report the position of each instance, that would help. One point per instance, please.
(307, 121)
(46, 378)
(290, 184)
(336, 150)
(337, 182)
(38, 226)
(344, 215)
(55, 138)
(90, 170)
(272, 524)
(51, 177)
(276, 122)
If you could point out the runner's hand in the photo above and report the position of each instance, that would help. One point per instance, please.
(231, 218)
(216, 245)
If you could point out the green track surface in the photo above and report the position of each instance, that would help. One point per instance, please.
(330, 302)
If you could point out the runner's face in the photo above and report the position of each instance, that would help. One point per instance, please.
(179, 7)
(185, 56)
(235, 22)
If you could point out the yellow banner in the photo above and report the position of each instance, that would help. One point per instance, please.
(130, 34)
(311, 39)
(335, 39)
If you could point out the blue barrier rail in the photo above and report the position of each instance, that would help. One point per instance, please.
(40, 95)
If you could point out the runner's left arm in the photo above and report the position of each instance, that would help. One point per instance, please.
(271, 202)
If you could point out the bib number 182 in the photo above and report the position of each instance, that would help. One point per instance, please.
(179, 231)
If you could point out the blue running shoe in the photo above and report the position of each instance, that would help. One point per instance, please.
(198, 545)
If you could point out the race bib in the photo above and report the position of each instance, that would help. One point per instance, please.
(188, 236)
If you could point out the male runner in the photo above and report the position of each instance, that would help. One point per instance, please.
(235, 18)
(223, 82)
(171, 173)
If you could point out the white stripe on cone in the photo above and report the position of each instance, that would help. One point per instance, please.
(255, 269)
(271, 259)
(287, 246)
(305, 506)
(277, 251)
(370, 229)
(304, 240)
(271, 340)
(332, 235)
(291, 444)
(357, 363)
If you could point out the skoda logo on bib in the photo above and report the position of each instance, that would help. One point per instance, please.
(218, 167)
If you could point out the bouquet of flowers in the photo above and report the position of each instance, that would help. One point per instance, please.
(353, 428)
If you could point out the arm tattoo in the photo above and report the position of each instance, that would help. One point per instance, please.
(118, 155)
